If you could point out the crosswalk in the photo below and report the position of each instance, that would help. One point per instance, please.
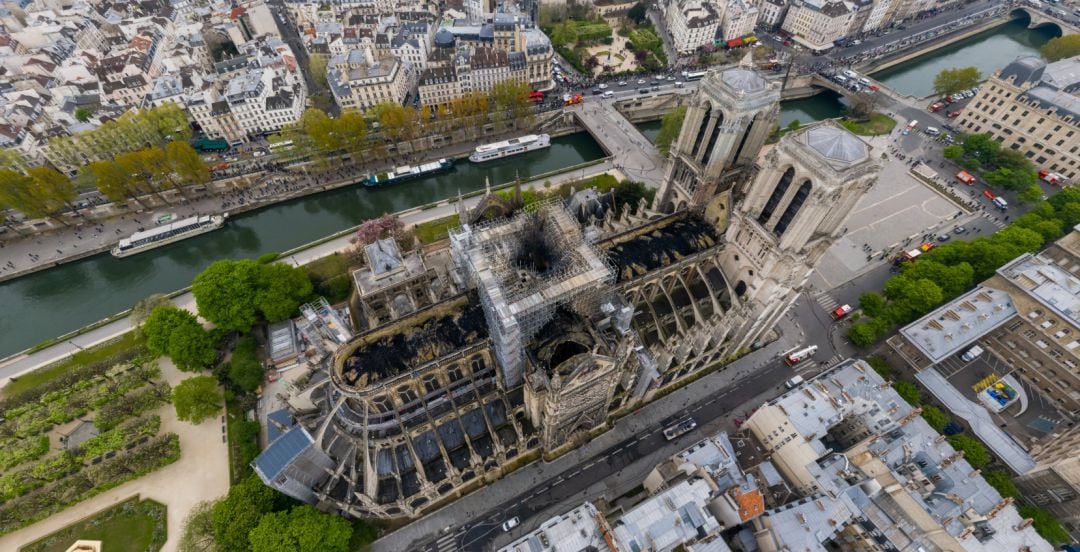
(997, 221)
(825, 300)
(447, 543)
(815, 366)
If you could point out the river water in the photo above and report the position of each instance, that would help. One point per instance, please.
(989, 51)
(62, 299)
(56, 301)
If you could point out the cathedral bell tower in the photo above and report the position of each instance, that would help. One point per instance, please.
(725, 126)
(793, 210)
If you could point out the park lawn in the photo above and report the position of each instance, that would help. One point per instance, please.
(85, 357)
(879, 123)
(131, 526)
(435, 230)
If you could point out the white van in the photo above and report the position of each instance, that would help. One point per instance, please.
(1000, 203)
(609, 94)
(932, 131)
(850, 74)
(793, 382)
(971, 354)
(840, 79)
(865, 81)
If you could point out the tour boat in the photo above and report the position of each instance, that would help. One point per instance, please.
(407, 172)
(168, 233)
(506, 148)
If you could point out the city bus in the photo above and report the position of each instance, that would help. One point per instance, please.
(693, 75)
(799, 355)
(682, 428)
(276, 146)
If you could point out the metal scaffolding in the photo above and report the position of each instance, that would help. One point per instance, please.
(520, 296)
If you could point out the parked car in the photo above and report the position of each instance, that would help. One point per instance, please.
(954, 114)
(511, 523)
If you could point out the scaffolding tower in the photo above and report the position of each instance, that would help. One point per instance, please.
(520, 297)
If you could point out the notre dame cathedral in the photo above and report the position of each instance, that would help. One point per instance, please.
(530, 327)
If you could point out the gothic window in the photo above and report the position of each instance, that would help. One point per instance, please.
(406, 394)
(740, 288)
(701, 131)
(777, 194)
(792, 208)
(745, 137)
(454, 373)
(717, 129)
(477, 365)
(382, 404)
(431, 384)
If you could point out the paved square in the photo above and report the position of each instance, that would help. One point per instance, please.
(896, 207)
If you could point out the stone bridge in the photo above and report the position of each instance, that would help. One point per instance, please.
(1067, 24)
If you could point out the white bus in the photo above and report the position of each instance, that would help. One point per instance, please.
(693, 75)
(274, 146)
(682, 428)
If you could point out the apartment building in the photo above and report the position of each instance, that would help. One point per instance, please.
(739, 20)
(438, 87)
(1054, 484)
(360, 81)
(772, 12)
(691, 23)
(1033, 107)
(816, 24)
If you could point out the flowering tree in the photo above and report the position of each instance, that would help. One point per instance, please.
(377, 229)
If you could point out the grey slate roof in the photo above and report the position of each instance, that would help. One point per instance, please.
(1024, 69)
(836, 144)
(743, 80)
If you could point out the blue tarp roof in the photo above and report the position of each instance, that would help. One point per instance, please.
(283, 420)
(283, 451)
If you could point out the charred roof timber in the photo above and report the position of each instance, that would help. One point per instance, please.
(659, 246)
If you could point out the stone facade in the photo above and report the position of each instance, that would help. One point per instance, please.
(531, 325)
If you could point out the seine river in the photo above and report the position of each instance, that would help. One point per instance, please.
(62, 299)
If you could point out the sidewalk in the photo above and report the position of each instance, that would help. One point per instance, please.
(520, 482)
(20, 364)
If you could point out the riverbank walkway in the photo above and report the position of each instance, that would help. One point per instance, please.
(105, 225)
(21, 363)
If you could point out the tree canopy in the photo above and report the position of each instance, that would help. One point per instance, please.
(974, 452)
(301, 529)
(235, 294)
(177, 334)
(235, 516)
(245, 371)
(950, 81)
(670, 125)
(197, 399)
(1061, 47)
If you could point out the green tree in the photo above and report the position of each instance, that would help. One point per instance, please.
(953, 151)
(1002, 483)
(872, 304)
(141, 311)
(950, 81)
(1011, 179)
(55, 189)
(1049, 228)
(865, 333)
(511, 102)
(1028, 241)
(981, 148)
(952, 279)
(245, 370)
(197, 399)
(974, 451)
(794, 125)
(935, 417)
(670, 125)
(396, 121)
(225, 294)
(82, 114)
(36, 194)
(908, 392)
(1061, 47)
(317, 66)
(113, 181)
(145, 168)
(1031, 194)
(185, 163)
(1045, 524)
(198, 532)
(176, 333)
(281, 288)
(239, 512)
(301, 529)
(881, 366)
(911, 298)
